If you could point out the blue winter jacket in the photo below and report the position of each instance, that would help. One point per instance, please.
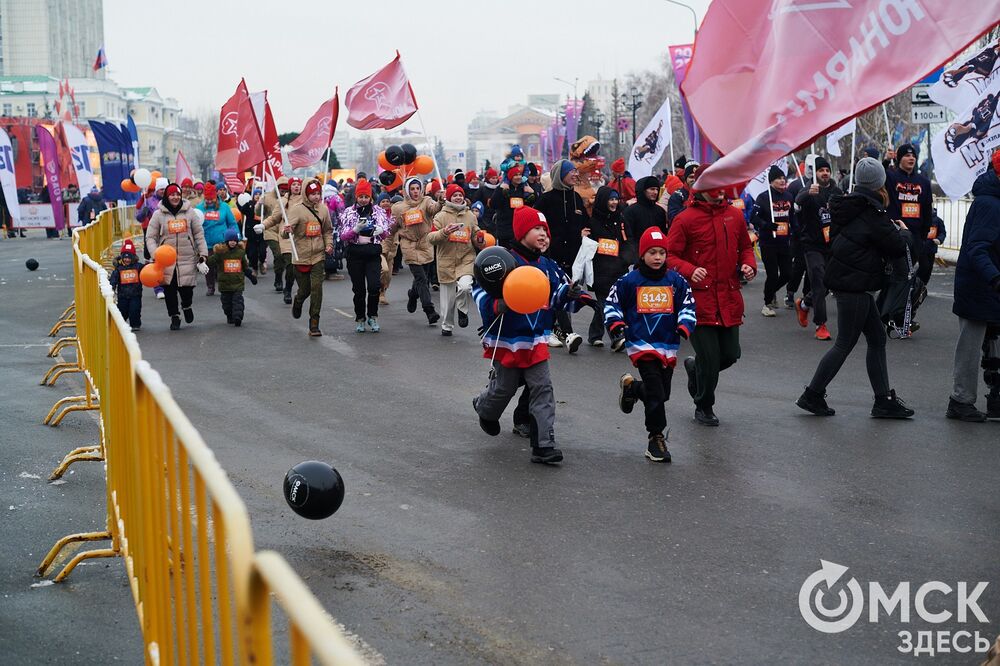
(655, 313)
(978, 269)
(217, 220)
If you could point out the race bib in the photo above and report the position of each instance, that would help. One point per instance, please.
(313, 229)
(516, 202)
(738, 204)
(232, 266)
(211, 215)
(178, 225)
(128, 276)
(932, 234)
(412, 217)
(607, 247)
(910, 209)
(654, 300)
(826, 234)
(463, 235)
(781, 229)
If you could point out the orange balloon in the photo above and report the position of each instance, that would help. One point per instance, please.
(238, 215)
(526, 289)
(155, 175)
(395, 184)
(151, 275)
(129, 186)
(423, 165)
(165, 255)
(384, 163)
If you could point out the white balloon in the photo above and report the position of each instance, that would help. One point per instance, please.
(142, 178)
(243, 199)
(199, 214)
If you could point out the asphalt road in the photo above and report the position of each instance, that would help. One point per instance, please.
(452, 548)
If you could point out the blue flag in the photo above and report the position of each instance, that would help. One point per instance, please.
(128, 159)
(109, 147)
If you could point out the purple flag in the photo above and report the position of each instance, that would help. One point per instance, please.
(701, 149)
(47, 147)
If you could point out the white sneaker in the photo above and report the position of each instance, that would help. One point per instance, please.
(573, 342)
(554, 341)
(160, 295)
(767, 311)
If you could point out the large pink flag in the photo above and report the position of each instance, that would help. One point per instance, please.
(182, 170)
(50, 154)
(383, 100)
(757, 104)
(308, 147)
(240, 145)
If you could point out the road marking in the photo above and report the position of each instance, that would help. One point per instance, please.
(26, 345)
(349, 316)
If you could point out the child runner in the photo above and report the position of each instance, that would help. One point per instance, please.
(128, 289)
(456, 237)
(650, 309)
(363, 228)
(229, 259)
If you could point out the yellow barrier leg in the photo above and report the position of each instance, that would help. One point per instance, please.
(64, 342)
(57, 370)
(80, 557)
(67, 314)
(65, 541)
(90, 405)
(92, 452)
(60, 403)
(60, 325)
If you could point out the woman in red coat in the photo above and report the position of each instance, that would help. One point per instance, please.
(709, 245)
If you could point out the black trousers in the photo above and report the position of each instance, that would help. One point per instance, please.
(926, 267)
(716, 348)
(172, 291)
(798, 271)
(778, 265)
(654, 391)
(131, 309)
(232, 304)
(857, 315)
(365, 270)
(422, 285)
(596, 330)
(256, 250)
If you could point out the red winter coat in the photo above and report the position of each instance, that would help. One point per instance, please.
(713, 237)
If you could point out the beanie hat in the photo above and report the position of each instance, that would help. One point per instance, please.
(363, 188)
(478, 206)
(314, 187)
(821, 163)
(681, 162)
(199, 186)
(869, 174)
(231, 234)
(187, 183)
(459, 177)
(452, 190)
(690, 168)
(492, 173)
(470, 176)
(161, 183)
(531, 170)
(527, 218)
(515, 150)
(652, 237)
(565, 167)
(170, 189)
(210, 191)
(618, 166)
(871, 152)
(774, 173)
(293, 180)
(396, 198)
(434, 187)
(128, 247)
(904, 150)
(514, 170)
(383, 197)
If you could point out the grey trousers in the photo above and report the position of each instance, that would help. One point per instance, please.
(503, 387)
(968, 356)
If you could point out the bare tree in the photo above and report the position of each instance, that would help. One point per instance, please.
(208, 133)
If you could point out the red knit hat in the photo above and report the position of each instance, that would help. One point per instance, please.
(492, 173)
(128, 247)
(452, 190)
(170, 189)
(652, 237)
(470, 176)
(527, 218)
(514, 170)
(187, 182)
(312, 187)
(210, 191)
(434, 187)
(363, 188)
(618, 166)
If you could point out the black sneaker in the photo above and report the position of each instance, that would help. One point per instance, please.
(463, 319)
(278, 287)
(229, 319)
(237, 322)
(188, 315)
(689, 366)
(296, 310)
(626, 393)
(433, 318)
(657, 450)
(705, 416)
(411, 301)
(175, 323)
(891, 407)
(522, 430)
(288, 298)
(961, 411)
(491, 428)
(789, 300)
(814, 402)
(546, 455)
(445, 332)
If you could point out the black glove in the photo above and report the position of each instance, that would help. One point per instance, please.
(589, 301)
(575, 291)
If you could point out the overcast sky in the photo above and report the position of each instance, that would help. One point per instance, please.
(460, 58)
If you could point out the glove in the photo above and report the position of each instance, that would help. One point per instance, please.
(360, 227)
(258, 228)
(500, 307)
(589, 301)
(575, 291)
(202, 268)
(617, 332)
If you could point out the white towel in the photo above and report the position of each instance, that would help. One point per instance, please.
(583, 265)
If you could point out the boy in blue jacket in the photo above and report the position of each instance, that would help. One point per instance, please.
(128, 289)
(520, 342)
(648, 311)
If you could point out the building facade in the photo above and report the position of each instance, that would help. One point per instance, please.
(54, 37)
(491, 140)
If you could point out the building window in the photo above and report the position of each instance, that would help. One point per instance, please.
(83, 109)
(32, 111)
(7, 110)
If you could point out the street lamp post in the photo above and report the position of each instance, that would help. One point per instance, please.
(597, 119)
(635, 96)
(694, 15)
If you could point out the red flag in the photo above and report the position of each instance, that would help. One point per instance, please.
(308, 147)
(271, 143)
(240, 146)
(383, 100)
(182, 170)
(860, 54)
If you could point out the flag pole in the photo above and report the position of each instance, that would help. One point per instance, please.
(888, 131)
(796, 163)
(281, 205)
(850, 181)
(420, 118)
(326, 163)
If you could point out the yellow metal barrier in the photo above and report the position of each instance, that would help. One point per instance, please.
(201, 594)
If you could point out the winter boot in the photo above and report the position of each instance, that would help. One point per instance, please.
(814, 402)
(890, 407)
(314, 331)
(491, 428)
(175, 323)
(546, 454)
(626, 393)
(188, 315)
(411, 301)
(961, 411)
(657, 450)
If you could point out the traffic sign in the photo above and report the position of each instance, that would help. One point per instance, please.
(932, 113)
(918, 94)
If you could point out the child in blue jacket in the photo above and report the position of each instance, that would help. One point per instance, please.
(520, 342)
(128, 289)
(648, 311)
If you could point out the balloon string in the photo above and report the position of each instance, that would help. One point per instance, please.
(495, 347)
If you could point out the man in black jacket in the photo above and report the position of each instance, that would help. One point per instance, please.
(812, 203)
(675, 204)
(645, 212)
(507, 198)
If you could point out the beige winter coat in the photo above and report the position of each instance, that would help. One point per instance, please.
(312, 231)
(413, 218)
(455, 253)
(184, 232)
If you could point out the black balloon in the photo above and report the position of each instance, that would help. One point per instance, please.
(31, 265)
(394, 156)
(314, 489)
(491, 268)
(409, 153)
(387, 177)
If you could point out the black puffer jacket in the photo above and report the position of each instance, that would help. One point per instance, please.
(608, 225)
(643, 214)
(564, 210)
(863, 241)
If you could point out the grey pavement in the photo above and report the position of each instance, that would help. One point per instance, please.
(452, 548)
